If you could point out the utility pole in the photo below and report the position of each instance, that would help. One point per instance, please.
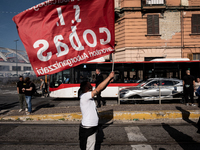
(16, 58)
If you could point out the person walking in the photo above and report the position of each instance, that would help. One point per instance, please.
(99, 79)
(189, 88)
(28, 94)
(89, 123)
(42, 87)
(197, 84)
(197, 91)
(21, 95)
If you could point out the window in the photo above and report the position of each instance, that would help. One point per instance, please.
(66, 76)
(153, 83)
(196, 23)
(4, 68)
(27, 68)
(175, 82)
(56, 79)
(152, 24)
(167, 83)
(196, 56)
(153, 2)
(14, 68)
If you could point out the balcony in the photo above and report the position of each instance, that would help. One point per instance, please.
(153, 2)
(150, 5)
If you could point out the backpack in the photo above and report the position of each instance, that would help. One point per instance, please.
(34, 88)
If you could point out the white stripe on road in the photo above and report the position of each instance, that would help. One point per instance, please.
(8, 92)
(134, 134)
(141, 147)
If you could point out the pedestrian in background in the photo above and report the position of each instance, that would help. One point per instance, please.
(89, 123)
(197, 84)
(22, 101)
(42, 87)
(28, 94)
(197, 91)
(189, 88)
(99, 79)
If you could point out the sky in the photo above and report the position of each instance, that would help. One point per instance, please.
(8, 30)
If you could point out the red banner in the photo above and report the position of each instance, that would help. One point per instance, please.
(60, 34)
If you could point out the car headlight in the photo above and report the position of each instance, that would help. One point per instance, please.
(123, 93)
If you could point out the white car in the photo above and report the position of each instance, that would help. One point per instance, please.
(154, 88)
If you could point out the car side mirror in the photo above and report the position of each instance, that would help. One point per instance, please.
(145, 87)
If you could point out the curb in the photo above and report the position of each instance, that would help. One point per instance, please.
(112, 115)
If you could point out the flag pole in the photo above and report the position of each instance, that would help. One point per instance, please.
(113, 59)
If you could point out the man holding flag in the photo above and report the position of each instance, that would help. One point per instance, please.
(61, 34)
(89, 123)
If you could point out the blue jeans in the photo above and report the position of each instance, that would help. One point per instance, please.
(28, 101)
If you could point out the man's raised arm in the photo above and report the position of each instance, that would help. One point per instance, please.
(103, 84)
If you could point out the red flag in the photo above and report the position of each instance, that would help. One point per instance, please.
(60, 34)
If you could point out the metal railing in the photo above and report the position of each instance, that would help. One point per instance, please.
(152, 2)
(8, 81)
(151, 93)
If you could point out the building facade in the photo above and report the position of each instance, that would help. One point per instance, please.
(14, 63)
(149, 29)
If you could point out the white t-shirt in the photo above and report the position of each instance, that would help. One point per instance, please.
(42, 84)
(197, 85)
(88, 109)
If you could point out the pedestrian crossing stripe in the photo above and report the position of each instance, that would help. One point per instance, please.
(134, 134)
(141, 147)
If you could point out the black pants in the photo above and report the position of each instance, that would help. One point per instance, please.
(43, 91)
(99, 99)
(84, 133)
(189, 92)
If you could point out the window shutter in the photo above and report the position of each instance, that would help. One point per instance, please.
(152, 24)
(149, 24)
(198, 20)
(156, 24)
(195, 23)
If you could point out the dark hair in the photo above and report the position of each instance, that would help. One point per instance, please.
(98, 69)
(20, 76)
(83, 88)
(27, 79)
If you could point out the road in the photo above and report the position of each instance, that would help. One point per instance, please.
(117, 136)
(9, 100)
(136, 135)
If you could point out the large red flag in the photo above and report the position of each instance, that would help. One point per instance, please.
(60, 34)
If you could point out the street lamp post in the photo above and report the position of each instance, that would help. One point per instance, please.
(16, 58)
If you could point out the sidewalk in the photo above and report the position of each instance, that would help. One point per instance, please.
(127, 112)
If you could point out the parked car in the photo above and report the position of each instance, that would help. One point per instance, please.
(14, 75)
(153, 88)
